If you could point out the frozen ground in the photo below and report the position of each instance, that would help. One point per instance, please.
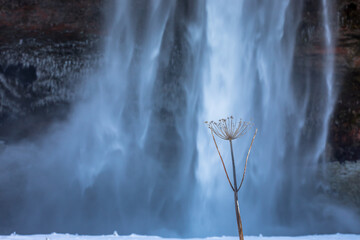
(55, 236)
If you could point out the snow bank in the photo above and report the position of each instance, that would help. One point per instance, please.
(56, 236)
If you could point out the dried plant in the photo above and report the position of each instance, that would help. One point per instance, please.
(230, 129)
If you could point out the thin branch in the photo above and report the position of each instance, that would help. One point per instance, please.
(222, 161)
(247, 157)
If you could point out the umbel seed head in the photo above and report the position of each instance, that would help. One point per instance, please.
(229, 128)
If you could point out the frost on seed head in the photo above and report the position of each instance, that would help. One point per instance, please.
(229, 128)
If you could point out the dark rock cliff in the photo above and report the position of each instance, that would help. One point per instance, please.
(45, 49)
(345, 126)
(343, 149)
(344, 130)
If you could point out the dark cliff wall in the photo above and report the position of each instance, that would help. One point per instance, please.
(45, 49)
(342, 173)
(345, 126)
(344, 130)
(60, 20)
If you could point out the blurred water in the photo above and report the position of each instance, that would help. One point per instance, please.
(251, 76)
(125, 159)
(132, 156)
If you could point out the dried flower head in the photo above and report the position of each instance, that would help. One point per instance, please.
(229, 129)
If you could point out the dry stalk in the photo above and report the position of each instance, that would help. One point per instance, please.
(222, 161)
(247, 157)
(228, 129)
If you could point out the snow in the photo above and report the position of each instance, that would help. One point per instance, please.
(115, 236)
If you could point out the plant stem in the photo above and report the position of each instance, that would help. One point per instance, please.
(237, 210)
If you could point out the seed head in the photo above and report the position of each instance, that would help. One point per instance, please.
(229, 129)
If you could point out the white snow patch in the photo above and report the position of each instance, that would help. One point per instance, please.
(57, 236)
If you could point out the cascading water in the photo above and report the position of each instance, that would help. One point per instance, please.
(125, 159)
(251, 75)
(131, 156)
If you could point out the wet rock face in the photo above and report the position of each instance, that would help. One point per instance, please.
(46, 47)
(344, 132)
(342, 173)
(345, 127)
(63, 20)
(343, 179)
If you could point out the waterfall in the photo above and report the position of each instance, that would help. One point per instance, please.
(134, 155)
(252, 46)
(251, 75)
(125, 158)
